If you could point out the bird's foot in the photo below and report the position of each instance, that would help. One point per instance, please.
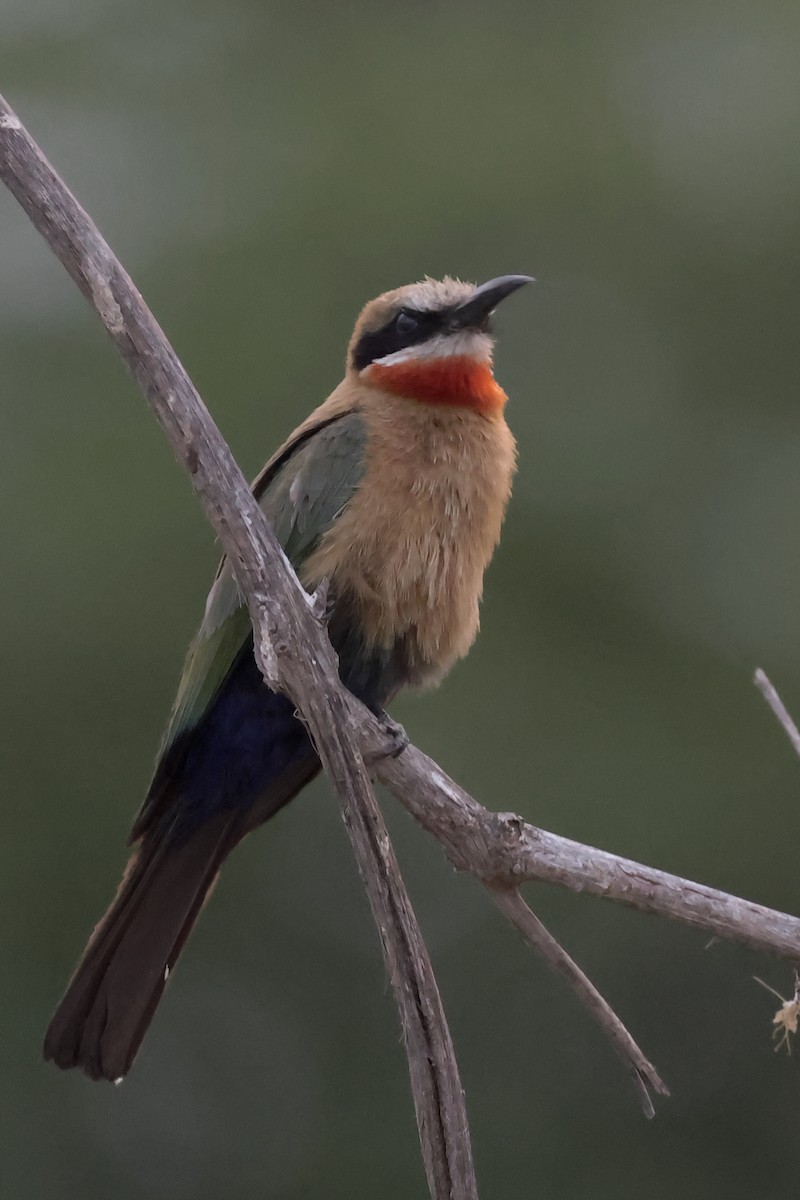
(323, 601)
(396, 738)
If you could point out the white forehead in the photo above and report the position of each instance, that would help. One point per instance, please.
(431, 294)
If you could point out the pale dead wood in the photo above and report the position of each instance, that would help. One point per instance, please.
(503, 849)
(291, 644)
(770, 694)
(645, 1076)
(295, 656)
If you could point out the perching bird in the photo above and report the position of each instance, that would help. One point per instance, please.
(394, 491)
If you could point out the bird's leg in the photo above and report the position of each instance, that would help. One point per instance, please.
(396, 737)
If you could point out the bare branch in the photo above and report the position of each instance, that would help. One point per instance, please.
(645, 1076)
(770, 694)
(291, 644)
(294, 655)
(503, 849)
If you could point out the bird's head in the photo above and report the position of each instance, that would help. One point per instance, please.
(432, 342)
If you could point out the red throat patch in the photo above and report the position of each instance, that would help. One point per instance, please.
(458, 380)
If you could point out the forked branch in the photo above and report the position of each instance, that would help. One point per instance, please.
(294, 655)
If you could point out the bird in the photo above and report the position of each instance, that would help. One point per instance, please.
(393, 492)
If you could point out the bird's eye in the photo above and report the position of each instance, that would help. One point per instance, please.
(406, 324)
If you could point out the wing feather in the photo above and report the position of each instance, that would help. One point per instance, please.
(302, 492)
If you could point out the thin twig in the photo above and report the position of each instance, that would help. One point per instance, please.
(645, 1076)
(291, 644)
(770, 694)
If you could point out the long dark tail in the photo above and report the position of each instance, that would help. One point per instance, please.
(118, 982)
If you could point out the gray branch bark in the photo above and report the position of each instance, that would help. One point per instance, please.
(503, 849)
(291, 643)
(295, 657)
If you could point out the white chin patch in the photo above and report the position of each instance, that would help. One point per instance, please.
(468, 344)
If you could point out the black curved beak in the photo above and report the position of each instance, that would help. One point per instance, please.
(485, 299)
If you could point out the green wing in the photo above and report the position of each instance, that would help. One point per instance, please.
(302, 493)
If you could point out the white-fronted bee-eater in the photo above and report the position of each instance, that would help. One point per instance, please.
(394, 492)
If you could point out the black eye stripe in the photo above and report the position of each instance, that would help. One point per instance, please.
(408, 327)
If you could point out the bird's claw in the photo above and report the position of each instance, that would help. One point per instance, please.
(396, 738)
(322, 601)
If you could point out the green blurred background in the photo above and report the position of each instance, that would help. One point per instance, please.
(262, 170)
